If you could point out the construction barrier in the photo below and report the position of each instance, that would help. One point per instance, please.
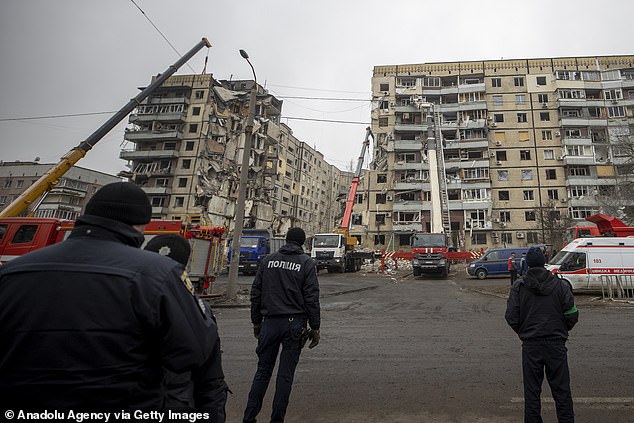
(399, 256)
(617, 287)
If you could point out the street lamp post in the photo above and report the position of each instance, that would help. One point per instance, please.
(232, 285)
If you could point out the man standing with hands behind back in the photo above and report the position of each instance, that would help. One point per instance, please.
(284, 298)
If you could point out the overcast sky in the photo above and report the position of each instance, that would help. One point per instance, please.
(86, 56)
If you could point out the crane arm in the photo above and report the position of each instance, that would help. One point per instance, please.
(50, 178)
(347, 215)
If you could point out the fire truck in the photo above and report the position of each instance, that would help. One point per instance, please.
(430, 250)
(21, 235)
(599, 225)
(336, 251)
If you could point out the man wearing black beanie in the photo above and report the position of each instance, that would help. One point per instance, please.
(541, 310)
(103, 317)
(284, 299)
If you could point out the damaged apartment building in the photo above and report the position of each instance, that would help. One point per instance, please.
(187, 140)
(511, 136)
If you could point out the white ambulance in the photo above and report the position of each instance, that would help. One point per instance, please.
(584, 260)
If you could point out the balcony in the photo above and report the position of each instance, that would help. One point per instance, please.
(60, 206)
(146, 155)
(136, 136)
(582, 121)
(577, 140)
(407, 109)
(411, 186)
(473, 105)
(579, 160)
(410, 127)
(156, 190)
(408, 90)
(68, 191)
(408, 206)
(410, 166)
(167, 100)
(408, 145)
(160, 117)
(407, 227)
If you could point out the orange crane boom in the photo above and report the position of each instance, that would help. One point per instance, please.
(347, 215)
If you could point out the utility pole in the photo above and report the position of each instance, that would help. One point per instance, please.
(232, 285)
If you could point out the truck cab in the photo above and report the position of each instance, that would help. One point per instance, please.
(21, 235)
(430, 251)
(329, 252)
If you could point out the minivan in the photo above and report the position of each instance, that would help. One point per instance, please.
(494, 261)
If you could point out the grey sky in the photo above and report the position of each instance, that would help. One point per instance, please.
(81, 56)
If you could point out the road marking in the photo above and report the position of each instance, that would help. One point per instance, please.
(585, 400)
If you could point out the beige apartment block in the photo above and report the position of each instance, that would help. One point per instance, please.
(513, 137)
(66, 200)
(185, 149)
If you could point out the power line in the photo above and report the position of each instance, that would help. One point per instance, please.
(323, 98)
(159, 31)
(326, 120)
(16, 119)
(319, 89)
(55, 116)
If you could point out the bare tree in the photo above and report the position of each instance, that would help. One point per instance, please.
(553, 223)
(619, 202)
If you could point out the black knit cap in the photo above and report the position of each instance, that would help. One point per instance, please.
(121, 201)
(296, 235)
(173, 246)
(535, 257)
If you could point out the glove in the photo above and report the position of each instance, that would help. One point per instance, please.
(257, 328)
(314, 338)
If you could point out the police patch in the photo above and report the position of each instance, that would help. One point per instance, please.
(188, 284)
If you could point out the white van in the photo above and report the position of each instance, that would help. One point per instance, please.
(584, 260)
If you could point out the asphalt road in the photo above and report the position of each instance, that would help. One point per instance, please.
(400, 349)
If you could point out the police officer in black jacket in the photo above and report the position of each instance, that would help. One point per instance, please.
(182, 388)
(284, 298)
(90, 323)
(541, 310)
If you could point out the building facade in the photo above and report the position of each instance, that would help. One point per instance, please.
(68, 197)
(186, 145)
(513, 138)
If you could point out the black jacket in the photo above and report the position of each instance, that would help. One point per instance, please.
(541, 306)
(91, 322)
(286, 284)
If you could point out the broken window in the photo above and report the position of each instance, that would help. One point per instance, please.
(528, 194)
(503, 195)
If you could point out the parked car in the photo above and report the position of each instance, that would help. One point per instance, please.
(494, 262)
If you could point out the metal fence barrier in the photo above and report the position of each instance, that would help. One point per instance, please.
(617, 287)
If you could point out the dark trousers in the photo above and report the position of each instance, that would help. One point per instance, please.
(276, 331)
(553, 357)
(513, 275)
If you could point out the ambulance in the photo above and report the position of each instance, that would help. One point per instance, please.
(584, 260)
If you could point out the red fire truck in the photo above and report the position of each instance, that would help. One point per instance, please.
(20, 235)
